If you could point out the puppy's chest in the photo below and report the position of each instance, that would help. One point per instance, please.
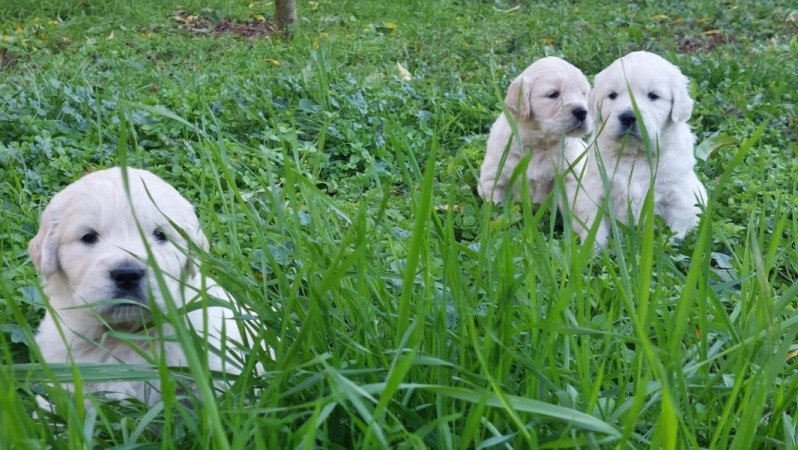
(538, 144)
(542, 164)
(633, 172)
(635, 175)
(638, 160)
(545, 154)
(130, 350)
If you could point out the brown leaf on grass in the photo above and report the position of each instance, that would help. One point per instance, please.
(404, 74)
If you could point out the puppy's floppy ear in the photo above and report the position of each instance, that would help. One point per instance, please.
(594, 102)
(198, 238)
(43, 248)
(517, 100)
(682, 106)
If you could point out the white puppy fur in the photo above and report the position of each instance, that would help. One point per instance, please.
(548, 103)
(90, 252)
(660, 92)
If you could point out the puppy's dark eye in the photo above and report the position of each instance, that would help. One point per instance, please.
(553, 94)
(652, 96)
(613, 95)
(159, 235)
(90, 237)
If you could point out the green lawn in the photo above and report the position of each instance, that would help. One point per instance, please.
(341, 204)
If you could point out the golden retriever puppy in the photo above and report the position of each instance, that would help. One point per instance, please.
(109, 251)
(654, 147)
(548, 103)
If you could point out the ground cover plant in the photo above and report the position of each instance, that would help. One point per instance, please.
(336, 174)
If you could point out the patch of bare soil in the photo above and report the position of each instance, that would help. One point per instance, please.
(7, 61)
(705, 42)
(196, 24)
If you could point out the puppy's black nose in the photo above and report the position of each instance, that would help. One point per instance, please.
(627, 119)
(127, 276)
(579, 113)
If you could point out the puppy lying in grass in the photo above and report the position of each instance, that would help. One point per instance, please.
(548, 114)
(637, 150)
(113, 254)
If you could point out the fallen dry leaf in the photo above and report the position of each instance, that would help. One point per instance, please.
(403, 73)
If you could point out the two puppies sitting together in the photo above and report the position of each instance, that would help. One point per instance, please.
(642, 138)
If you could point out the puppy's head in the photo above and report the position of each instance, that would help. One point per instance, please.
(552, 95)
(658, 88)
(93, 241)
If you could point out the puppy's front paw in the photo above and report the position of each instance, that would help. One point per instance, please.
(492, 192)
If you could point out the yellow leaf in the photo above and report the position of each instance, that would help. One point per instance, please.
(375, 77)
(19, 30)
(54, 23)
(259, 17)
(274, 62)
(6, 38)
(391, 26)
(110, 36)
(313, 5)
(549, 41)
(712, 32)
(403, 73)
(660, 17)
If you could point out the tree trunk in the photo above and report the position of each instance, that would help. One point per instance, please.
(286, 16)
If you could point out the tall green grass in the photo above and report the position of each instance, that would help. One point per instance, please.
(340, 206)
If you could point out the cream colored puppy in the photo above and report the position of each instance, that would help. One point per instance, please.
(549, 104)
(91, 252)
(632, 158)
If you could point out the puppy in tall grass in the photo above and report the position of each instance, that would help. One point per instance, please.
(548, 105)
(110, 251)
(633, 150)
